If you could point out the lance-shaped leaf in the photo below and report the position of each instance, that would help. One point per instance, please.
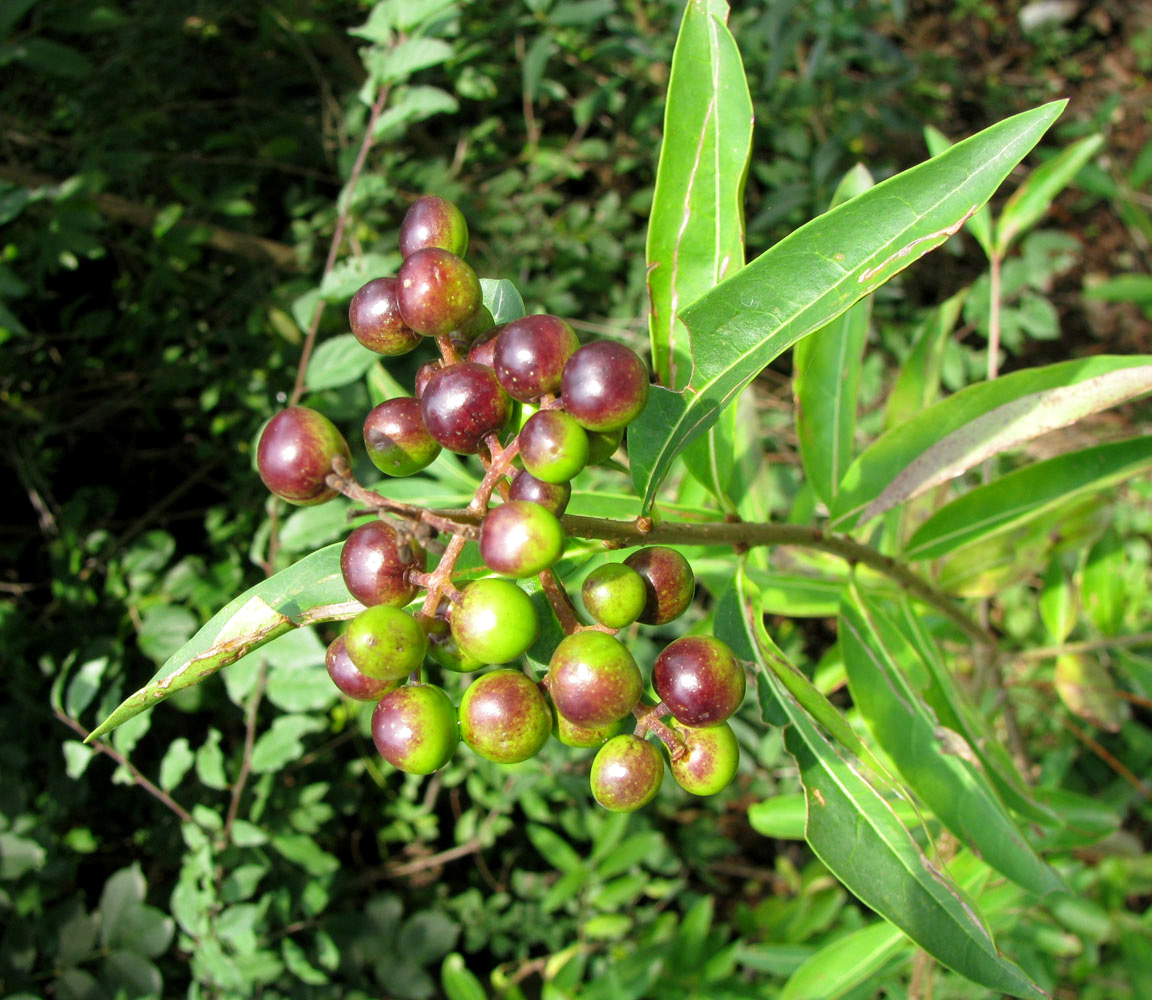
(306, 593)
(1087, 689)
(980, 225)
(1057, 602)
(1027, 493)
(815, 274)
(1103, 588)
(826, 382)
(846, 963)
(696, 229)
(1034, 196)
(918, 384)
(937, 762)
(854, 831)
(978, 422)
(955, 710)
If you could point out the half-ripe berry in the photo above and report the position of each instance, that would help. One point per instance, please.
(414, 728)
(520, 539)
(462, 404)
(614, 594)
(494, 621)
(375, 319)
(504, 717)
(572, 735)
(593, 679)
(444, 650)
(699, 680)
(432, 221)
(626, 773)
(530, 355)
(550, 496)
(375, 562)
(385, 642)
(669, 583)
(553, 446)
(351, 682)
(396, 439)
(605, 385)
(710, 760)
(437, 292)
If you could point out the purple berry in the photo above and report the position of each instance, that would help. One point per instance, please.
(295, 455)
(375, 562)
(699, 680)
(432, 221)
(396, 439)
(438, 292)
(605, 386)
(530, 355)
(462, 404)
(374, 316)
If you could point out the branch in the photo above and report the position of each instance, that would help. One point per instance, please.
(101, 747)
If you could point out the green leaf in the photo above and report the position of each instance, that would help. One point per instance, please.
(980, 421)
(338, 361)
(1123, 288)
(1057, 602)
(1026, 493)
(554, 848)
(414, 104)
(980, 225)
(395, 64)
(1032, 199)
(954, 710)
(815, 274)
(123, 891)
(302, 849)
(826, 379)
(177, 762)
(936, 762)
(696, 227)
(855, 833)
(847, 962)
(780, 817)
(458, 982)
(282, 742)
(918, 384)
(309, 592)
(1103, 589)
(502, 299)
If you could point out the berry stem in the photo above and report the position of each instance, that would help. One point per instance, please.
(342, 478)
(447, 349)
(560, 601)
(648, 721)
(498, 467)
(439, 580)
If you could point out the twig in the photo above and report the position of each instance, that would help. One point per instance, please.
(338, 238)
(105, 748)
(249, 742)
(1088, 646)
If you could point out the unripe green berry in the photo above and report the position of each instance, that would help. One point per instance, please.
(614, 594)
(494, 621)
(385, 642)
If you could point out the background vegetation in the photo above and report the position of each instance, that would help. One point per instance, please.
(170, 178)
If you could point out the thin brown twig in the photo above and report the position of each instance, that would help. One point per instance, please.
(338, 239)
(137, 776)
(246, 761)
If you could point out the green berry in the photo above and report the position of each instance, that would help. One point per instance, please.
(710, 761)
(385, 642)
(494, 621)
(414, 728)
(614, 594)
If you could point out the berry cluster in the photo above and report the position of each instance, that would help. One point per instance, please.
(537, 408)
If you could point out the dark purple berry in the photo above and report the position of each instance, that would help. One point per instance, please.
(553, 446)
(520, 539)
(550, 496)
(626, 773)
(375, 562)
(699, 680)
(593, 679)
(376, 321)
(462, 404)
(295, 455)
(414, 728)
(351, 682)
(504, 717)
(432, 221)
(605, 385)
(668, 580)
(438, 292)
(396, 439)
(483, 349)
(530, 355)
